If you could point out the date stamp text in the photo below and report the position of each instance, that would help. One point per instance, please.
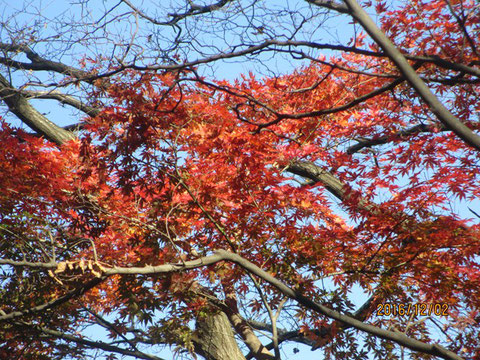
(409, 309)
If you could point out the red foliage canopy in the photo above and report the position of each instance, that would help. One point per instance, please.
(309, 176)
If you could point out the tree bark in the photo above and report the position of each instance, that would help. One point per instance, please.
(214, 339)
(20, 106)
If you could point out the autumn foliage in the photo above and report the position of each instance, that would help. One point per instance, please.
(307, 175)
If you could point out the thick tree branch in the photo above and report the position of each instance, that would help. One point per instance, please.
(38, 63)
(397, 337)
(222, 255)
(331, 4)
(309, 170)
(20, 106)
(30, 264)
(443, 114)
(242, 327)
(214, 337)
(117, 270)
(316, 174)
(354, 102)
(257, 349)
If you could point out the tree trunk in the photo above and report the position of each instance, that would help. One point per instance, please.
(214, 339)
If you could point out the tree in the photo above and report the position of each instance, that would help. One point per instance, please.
(226, 218)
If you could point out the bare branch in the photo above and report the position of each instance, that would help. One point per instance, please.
(62, 98)
(38, 63)
(420, 128)
(94, 344)
(107, 324)
(193, 10)
(434, 59)
(56, 302)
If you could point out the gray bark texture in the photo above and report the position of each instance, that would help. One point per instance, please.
(214, 339)
(20, 106)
